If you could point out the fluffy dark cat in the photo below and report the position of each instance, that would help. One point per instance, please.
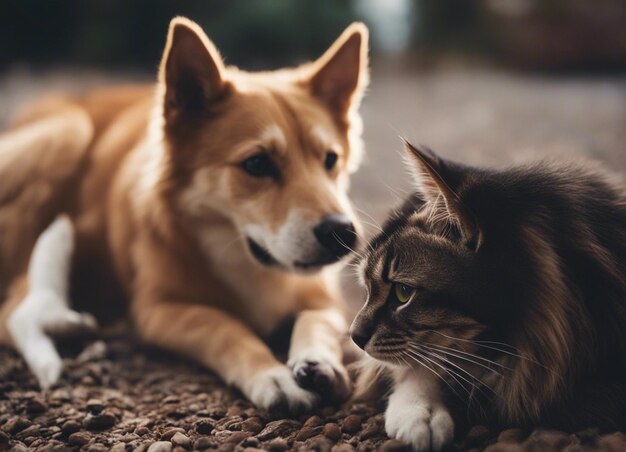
(505, 289)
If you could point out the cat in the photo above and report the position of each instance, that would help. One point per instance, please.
(502, 291)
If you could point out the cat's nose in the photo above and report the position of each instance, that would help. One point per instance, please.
(336, 233)
(360, 339)
(360, 336)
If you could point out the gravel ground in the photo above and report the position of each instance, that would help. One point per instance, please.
(117, 395)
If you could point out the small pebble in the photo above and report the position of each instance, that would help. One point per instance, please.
(512, 435)
(313, 421)
(33, 431)
(169, 433)
(179, 439)
(15, 424)
(277, 445)
(351, 424)
(102, 421)
(202, 443)
(332, 431)
(95, 406)
(308, 432)
(394, 445)
(160, 446)
(281, 428)
(237, 437)
(70, 427)
(79, 438)
(204, 426)
(36, 406)
(250, 442)
(142, 431)
(342, 448)
(252, 425)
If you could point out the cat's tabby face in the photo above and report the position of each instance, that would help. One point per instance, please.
(424, 277)
(418, 293)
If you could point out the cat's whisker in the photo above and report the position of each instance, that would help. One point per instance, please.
(342, 243)
(423, 364)
(415, 354)
(374, 223)
(446, 360)
(468, 357)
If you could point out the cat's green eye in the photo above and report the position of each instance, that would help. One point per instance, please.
(402, 292)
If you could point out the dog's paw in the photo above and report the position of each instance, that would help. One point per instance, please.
(276, 390)
(39, 317)
(423, 426)
(323, 375)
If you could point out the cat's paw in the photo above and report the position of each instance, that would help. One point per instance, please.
(276, 391)
(323, 375)
(425, 427)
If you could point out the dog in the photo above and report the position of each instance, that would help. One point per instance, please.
(213, 203)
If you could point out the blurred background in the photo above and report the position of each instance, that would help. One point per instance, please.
(481, 81)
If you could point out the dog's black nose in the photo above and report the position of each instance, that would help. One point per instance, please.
(336, 233)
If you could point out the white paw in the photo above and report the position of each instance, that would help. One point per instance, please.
(424, 427)
(276, 390)
(322, 373)
(45, 363)
(40, 316)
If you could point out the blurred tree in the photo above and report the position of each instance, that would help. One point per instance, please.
(255, 34)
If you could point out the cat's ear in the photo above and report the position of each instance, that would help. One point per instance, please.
(436, 182)
(192, 71)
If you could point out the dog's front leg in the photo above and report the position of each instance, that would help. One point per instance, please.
(225, 345)
(315, 354)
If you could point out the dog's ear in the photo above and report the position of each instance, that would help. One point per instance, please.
(191, 70)
(340, 76)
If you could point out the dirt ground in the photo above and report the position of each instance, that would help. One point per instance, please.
(118, 395)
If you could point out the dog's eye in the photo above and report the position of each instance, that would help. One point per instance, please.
(331, 160)
(260, 165)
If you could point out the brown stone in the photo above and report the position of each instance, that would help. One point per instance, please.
(95, 406)
(351, 424)
(182, 440)
(79, 438)
(308, 432)
(332, 431)
(204, 426)
(277, 445)
(102, 421)
(160, 446)
(512, 435)
(342, 448)
(70, 427)
(16, 424)
(394, 445)
(252, 425)
(36, 406)
(203, 442)
(281, 428)
(169, 433)
(313, 421)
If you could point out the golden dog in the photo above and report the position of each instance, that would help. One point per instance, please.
(213, 202)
